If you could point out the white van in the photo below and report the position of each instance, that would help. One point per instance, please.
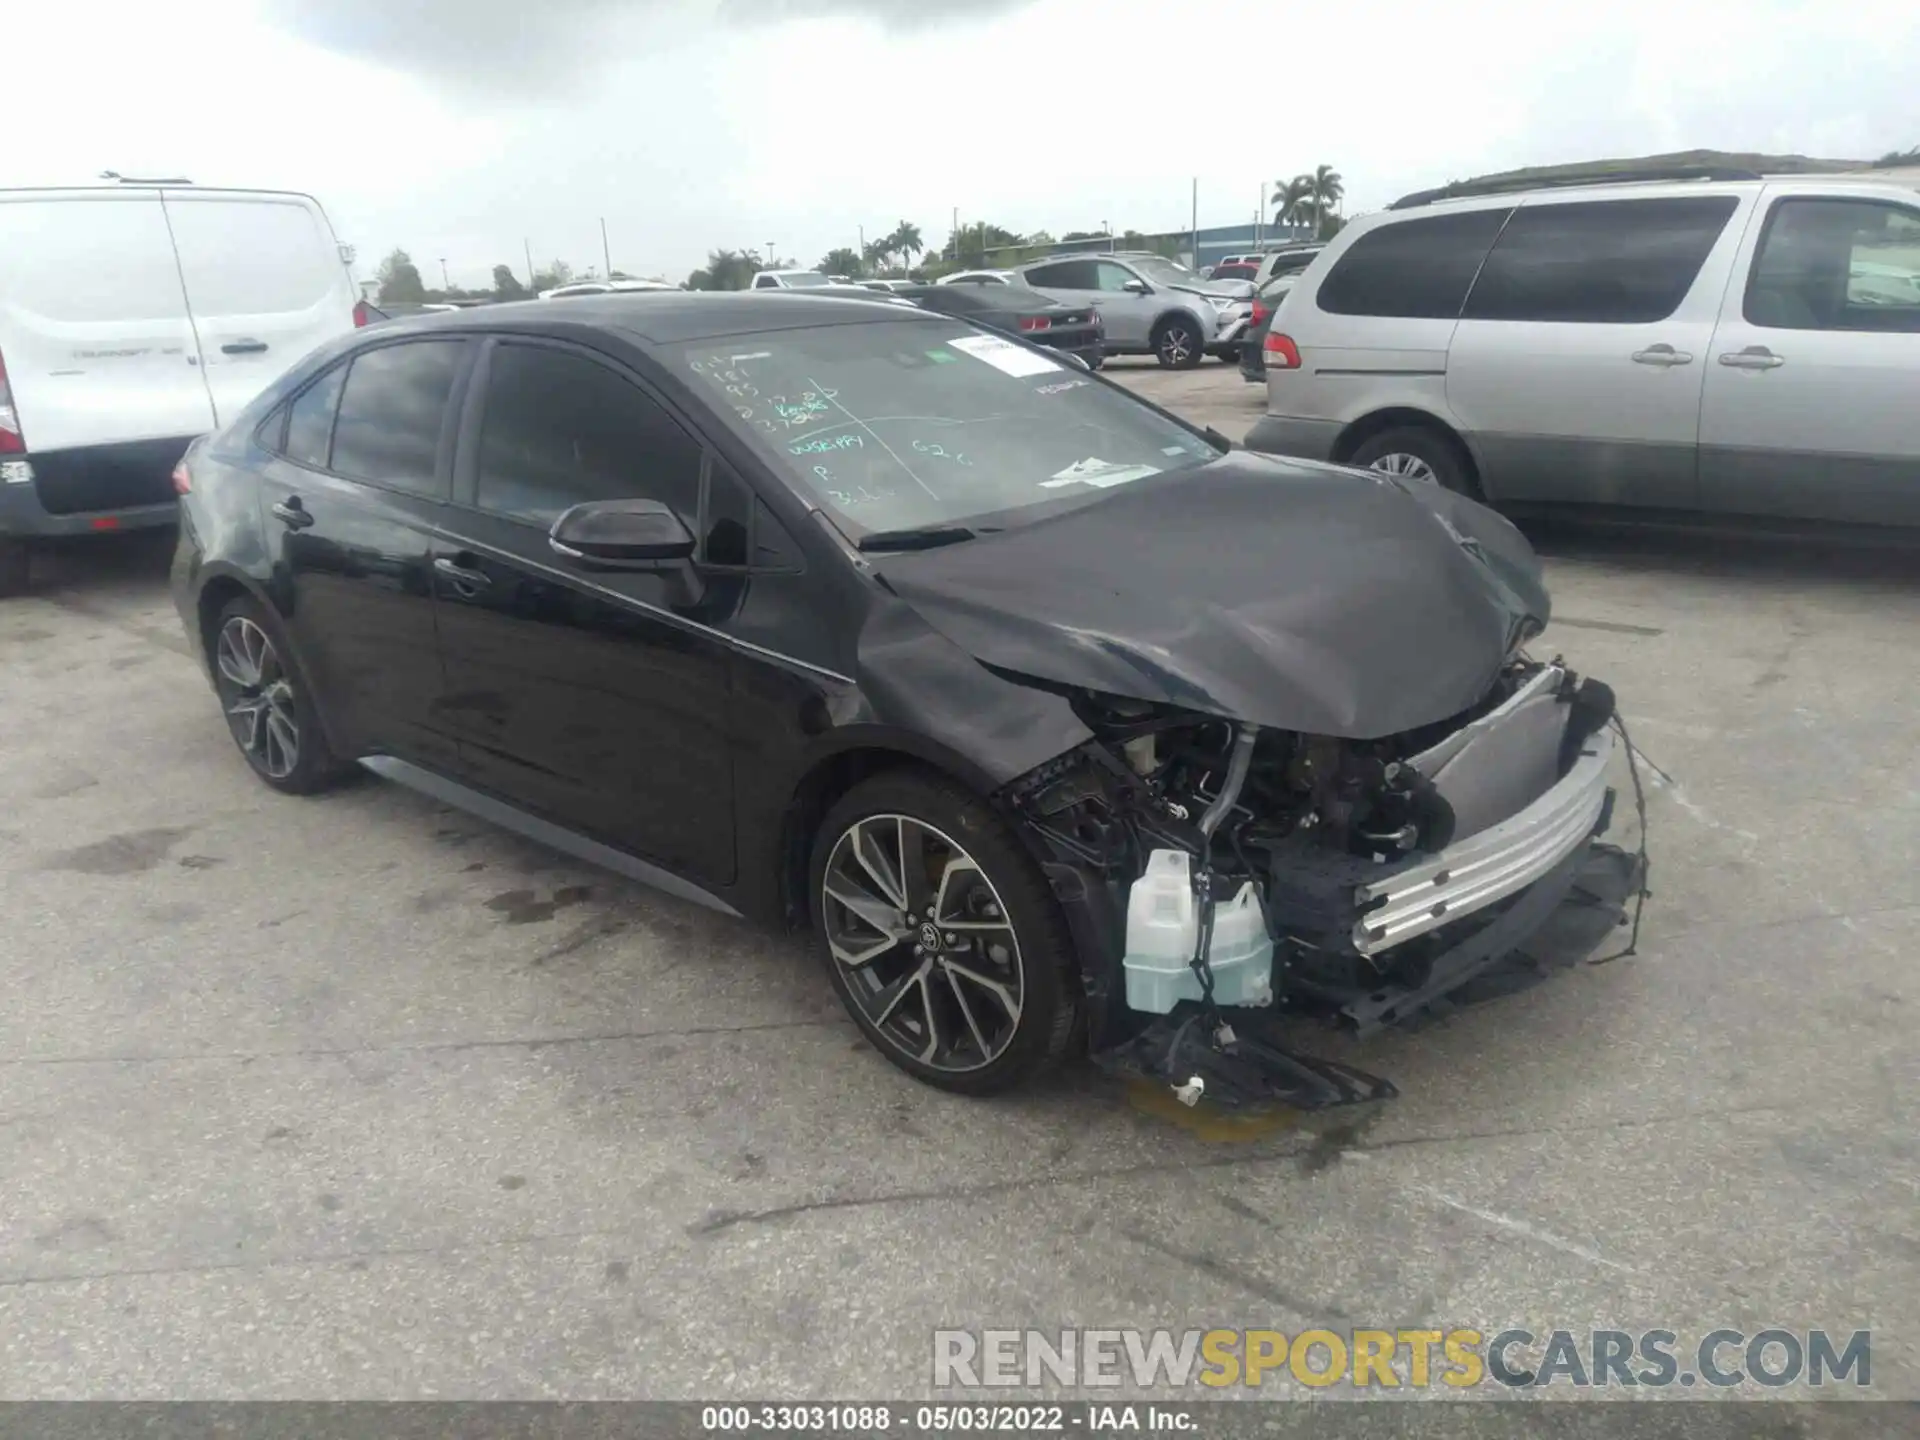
(132, 319)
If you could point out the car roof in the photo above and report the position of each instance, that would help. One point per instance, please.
(665, 317)
(1470, 196)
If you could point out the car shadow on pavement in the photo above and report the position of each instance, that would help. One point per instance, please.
(132, 562)
(1800, 553)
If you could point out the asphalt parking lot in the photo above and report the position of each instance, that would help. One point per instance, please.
(357, 1097)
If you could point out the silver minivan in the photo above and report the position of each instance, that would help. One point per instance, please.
(1740, 346)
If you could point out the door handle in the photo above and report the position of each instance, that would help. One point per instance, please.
(464, 579)
(1663, 355)
(292, 513)
(1754, 357)
(244, 347)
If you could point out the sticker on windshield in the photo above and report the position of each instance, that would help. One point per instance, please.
(1004, 355)
(1098, 473)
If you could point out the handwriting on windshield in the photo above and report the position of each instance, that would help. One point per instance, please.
(828, 444)
(938, 451)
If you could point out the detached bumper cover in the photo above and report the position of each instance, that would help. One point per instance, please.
(1493, 864)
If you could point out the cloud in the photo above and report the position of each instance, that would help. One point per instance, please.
(512, 49)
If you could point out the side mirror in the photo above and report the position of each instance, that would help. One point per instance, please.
(621, 535)
(1137, 287)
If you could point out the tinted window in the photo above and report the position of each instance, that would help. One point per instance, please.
(728, 518)
(1619, 262)
(1068, 275)
(388, 430)
(561, 429)
(1837, 265)
(1413, 269)
(310, 420)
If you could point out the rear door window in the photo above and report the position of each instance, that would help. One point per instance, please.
(391, 414)
(1412, 269)
(310, 420)
(1067, 275)
(1604, 262)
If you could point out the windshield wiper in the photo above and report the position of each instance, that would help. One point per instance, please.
(925, 537)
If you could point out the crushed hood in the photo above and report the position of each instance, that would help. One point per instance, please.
(1299, 596)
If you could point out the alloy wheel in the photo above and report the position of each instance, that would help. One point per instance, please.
(1176, 345)
(1407, 467)
(923, 942)
(259, 702)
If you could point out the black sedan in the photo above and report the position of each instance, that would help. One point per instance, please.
(859, 619)
(1016, 310)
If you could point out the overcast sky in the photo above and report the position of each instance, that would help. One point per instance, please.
(460, 128)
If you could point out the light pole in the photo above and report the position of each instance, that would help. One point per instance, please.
(445, 284)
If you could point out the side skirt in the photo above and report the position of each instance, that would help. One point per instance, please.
(543, 832)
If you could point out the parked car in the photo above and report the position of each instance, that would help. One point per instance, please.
(603, 287)
(1149, 305)
(1253, 363)
(789, 280)
(978, 277)
(133, 318)
(885, 286)
(1287, 260)
(1233, 270)
(786, 605)
(1674, 343)
(1022, 312)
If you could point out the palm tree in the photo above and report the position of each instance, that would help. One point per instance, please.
(1327, 190)
(905, 240)
(878, 252)
(1292, 200)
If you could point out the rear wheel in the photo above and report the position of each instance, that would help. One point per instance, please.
(1415, 452)
(15, 563)
(268, 710)
(1176, 343)
(940, 936)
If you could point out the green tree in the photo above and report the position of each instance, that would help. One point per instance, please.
(842, 260)
(725, 270)
(1082, 235)
(1040, 237)
(1293, 200)
(400, 281)
(557, 274)
(506, 285)
(878, 252)
(1327, 189)
(906, 241)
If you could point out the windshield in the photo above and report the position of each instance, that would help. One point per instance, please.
(803, 279)
(905, 424)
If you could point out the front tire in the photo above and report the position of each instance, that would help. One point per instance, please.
(268, 710)
(1415, 452)
(1177, 344)
(940, 935)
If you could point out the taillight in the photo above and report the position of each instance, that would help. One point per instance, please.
(1035, 322)
(12, 442)
(362, 315)
(1280, 352)
(182, 478)
(1260, 312)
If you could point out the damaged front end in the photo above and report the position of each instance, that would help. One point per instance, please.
(1241, 873)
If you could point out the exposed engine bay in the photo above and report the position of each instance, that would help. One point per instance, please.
(1366, 879)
